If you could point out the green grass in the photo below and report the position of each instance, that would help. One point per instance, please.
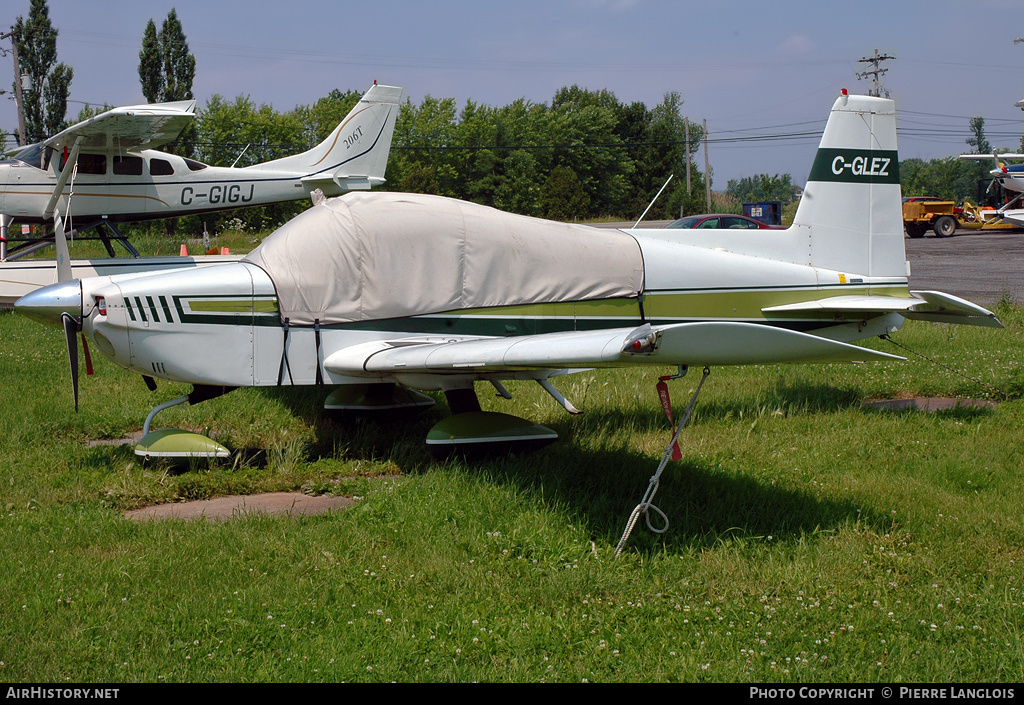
(810, 538)
(153, 242)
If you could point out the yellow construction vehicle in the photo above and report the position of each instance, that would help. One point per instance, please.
(924, 213)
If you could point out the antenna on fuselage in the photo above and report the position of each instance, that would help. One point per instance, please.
(652, 201)
(240, 155)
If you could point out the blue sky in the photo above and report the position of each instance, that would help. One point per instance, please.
(748, 68)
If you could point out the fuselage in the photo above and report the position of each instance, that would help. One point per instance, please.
(141, 186)
(1012, 178)
(221, 325)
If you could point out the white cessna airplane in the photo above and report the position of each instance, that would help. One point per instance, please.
(104, 170)
(381, 293)
(1011, 178)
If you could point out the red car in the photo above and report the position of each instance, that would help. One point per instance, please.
(721, 221)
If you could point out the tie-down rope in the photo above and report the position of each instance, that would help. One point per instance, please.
(645, 507)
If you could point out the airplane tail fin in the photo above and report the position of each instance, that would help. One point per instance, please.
(355, 155)
(850, 215)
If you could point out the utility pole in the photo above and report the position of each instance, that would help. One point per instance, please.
(1020, 103)
(17, 86)
(686, 123)
(5, 220)
(875, 72)
(707, 168)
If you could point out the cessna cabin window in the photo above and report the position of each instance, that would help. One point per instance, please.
(31, 155)
(128, 166)
(92, 163)
(160, 167)
(193, 165)
(89, 163)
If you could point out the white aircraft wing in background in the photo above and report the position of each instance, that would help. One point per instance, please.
(129, 128)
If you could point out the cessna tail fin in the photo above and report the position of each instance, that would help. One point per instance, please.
(850, 215)
(355, 154)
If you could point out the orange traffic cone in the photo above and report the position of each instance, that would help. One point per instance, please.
(184, 250)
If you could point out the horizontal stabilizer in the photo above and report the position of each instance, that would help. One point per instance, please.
(921, 305)
(346, 182)
(946, 308)
(681, 344)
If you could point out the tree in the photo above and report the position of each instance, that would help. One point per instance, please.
(151, 65)
(46, 100)
(763, 187)
(948, 178)
(978, 140)
(563, 197)
(981, 145)
(668, 155)
(582, 124)
(179, 64)
(167, 70)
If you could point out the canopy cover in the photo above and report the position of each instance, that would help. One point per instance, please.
(369, 256)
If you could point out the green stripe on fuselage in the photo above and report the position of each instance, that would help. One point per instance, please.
(233, 305)
(662, 307)
(747, 304)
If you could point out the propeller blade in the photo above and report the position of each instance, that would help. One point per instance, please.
(60, 240)
(88, 358)
(71, 335)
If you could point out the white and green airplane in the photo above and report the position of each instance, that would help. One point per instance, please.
(380, 294)
(106, 170)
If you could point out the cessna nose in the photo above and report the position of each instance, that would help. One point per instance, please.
(50, 303)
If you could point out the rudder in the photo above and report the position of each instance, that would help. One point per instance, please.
(355, 155)
(851, 207)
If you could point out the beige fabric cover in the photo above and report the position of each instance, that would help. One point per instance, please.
(368, 256)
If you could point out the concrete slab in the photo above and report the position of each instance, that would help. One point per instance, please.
(241, 507)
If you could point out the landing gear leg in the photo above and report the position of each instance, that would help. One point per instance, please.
(471, 432)
(174, 443)
(5, 224)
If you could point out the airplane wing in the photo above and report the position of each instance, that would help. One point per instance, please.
(709, 343)
(922, 305)
(130, 128)
(987, 157)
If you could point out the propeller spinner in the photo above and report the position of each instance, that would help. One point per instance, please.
(60, 305)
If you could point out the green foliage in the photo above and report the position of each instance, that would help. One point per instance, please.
(89, 111)
(151, 64)
(46, 100)
(948, 178)
(564, 196)
(951, 178)
(584, 156)
(166, 72)
(978, 140)
(764, 187)
(179, 69)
